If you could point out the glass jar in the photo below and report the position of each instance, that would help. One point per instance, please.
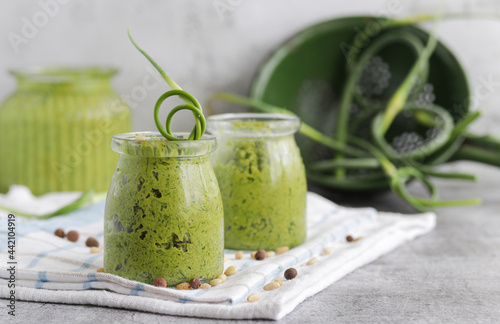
(55, 130)
(163, 216)
(262, 180)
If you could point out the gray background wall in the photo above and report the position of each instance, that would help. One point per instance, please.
(214, 45)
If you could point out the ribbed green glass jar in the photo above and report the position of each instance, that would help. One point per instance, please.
(55, 130)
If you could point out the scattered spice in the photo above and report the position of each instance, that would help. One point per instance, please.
(222, 277)
(290, 273)
(270, 254)
(260, 255)
(349, 238)
(72, 236)
(230, 271)
(312, 261)
(253, 297)
(184, 286)
(205, 286)
(282, 249)
(279, 282)
(252, 255)
(95, 250)
(272, 285)
(60, 232)
(327, 251)
(238, 255)
(91, 242)
(100, 270)
(195, 283)
(160, 282)
(215, 282)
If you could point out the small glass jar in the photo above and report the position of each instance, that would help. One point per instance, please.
(163, 216)
(56, 127)
(262, 180)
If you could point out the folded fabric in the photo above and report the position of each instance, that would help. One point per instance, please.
(52, 269)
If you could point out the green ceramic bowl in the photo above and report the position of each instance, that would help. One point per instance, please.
(307, 73)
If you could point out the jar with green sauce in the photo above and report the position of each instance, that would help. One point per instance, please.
(163, 215)
(56, 127)
(262, 180)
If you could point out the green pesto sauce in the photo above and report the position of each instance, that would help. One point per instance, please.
(164, 218)
(263, 186)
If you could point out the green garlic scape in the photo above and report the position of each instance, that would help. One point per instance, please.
(190, 104)
(393, 168)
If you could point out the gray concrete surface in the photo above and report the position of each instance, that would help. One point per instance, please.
(451, 275)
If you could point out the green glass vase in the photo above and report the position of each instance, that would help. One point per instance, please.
(55, 130)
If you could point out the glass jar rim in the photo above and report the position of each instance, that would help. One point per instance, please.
(253, 124)
(62, 74)
(153, 144)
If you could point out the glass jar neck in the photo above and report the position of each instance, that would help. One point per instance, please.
(149, 144)
(79, 86)
(232, 138)
(64, 79)
(253, 125)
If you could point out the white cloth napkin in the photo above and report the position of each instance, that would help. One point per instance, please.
(51, 269)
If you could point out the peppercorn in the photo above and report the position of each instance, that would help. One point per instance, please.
(72, 236)
(195, 283)
(260, 255)
(290, 273)
(60, 232)
(160, 282)
(91, 242)
(349, 238)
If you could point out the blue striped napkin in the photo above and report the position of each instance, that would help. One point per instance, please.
(51, 269)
